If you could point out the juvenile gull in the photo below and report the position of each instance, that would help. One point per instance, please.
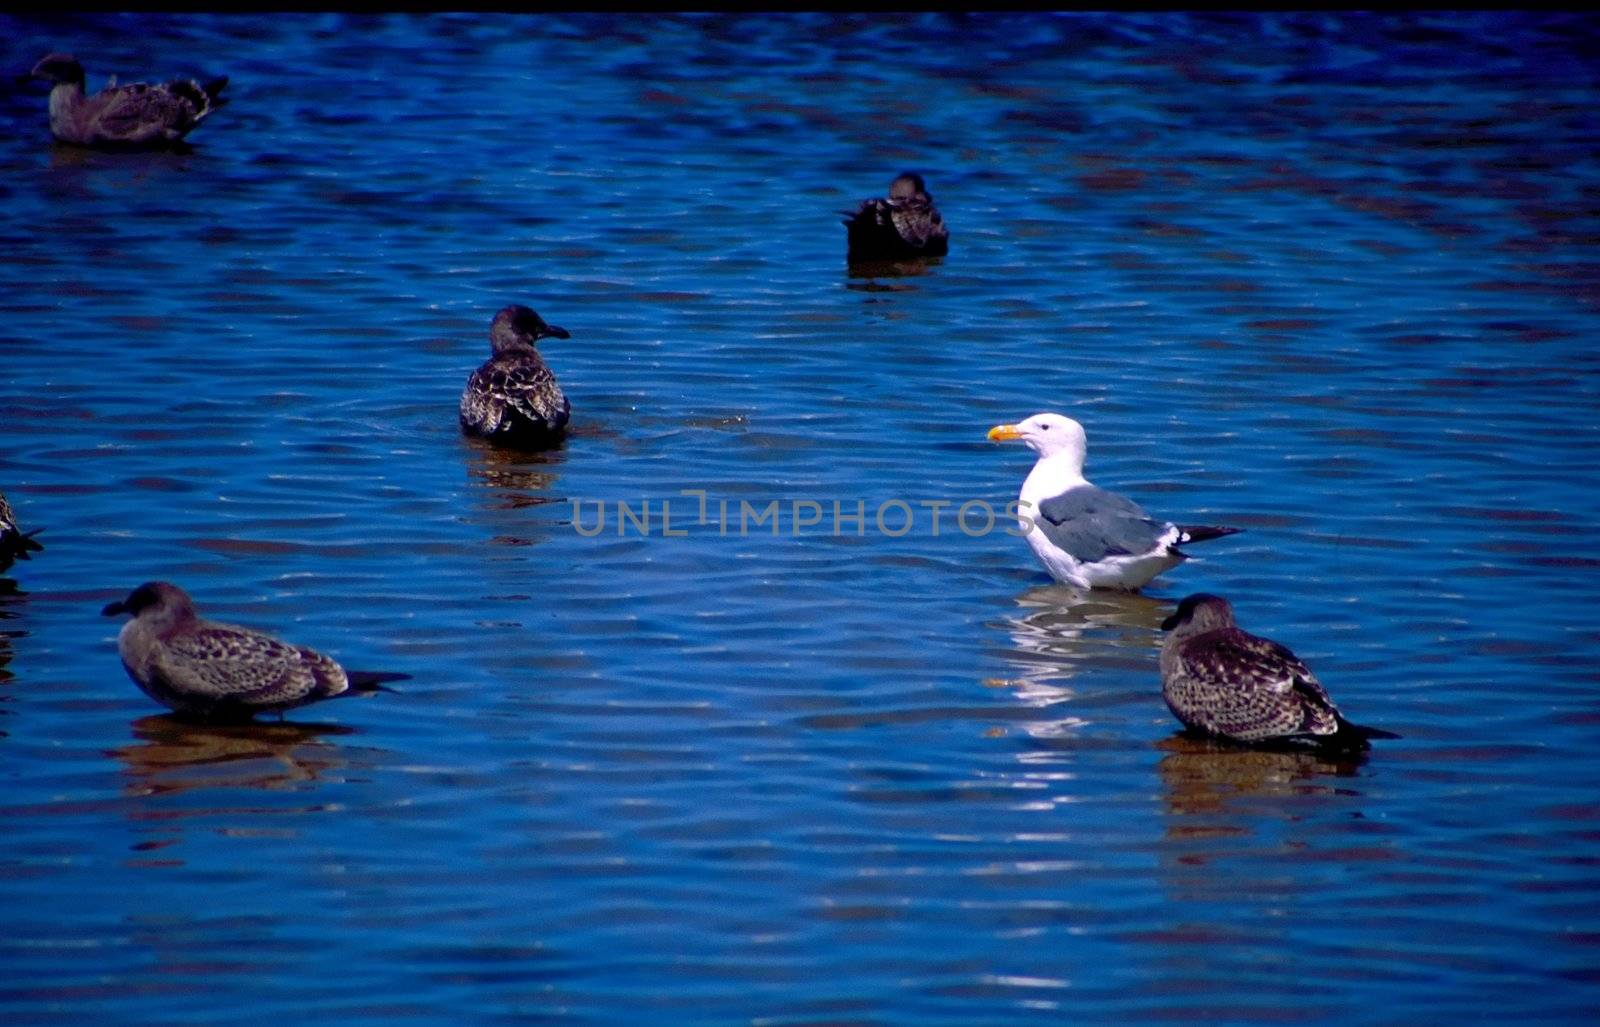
(905, 225)
(219, 671)
(1221, 680)
(132, 116)
(1086, 536)
(513, 398)
(14, 543)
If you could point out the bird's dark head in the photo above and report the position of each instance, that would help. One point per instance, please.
(518, 325)
(907, 187)
(58, 67)
(160, 596)
(1200, 612)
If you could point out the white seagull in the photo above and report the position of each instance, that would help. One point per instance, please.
(1086, 536)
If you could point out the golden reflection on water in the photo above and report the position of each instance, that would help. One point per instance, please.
(174, 756)
(520, 478)
(1238, 823)
(1202, 776)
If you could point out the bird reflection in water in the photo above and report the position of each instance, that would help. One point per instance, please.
(11, 601)
(1233, 812)
(872, 270)
(1062, 632)
(174, 755)
(511, 480)
(1203, 775)
(518, 478)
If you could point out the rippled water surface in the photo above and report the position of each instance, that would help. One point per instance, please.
(1329, 278)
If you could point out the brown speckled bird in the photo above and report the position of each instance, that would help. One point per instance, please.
(218, 671)
(513, 398)
(904, 226)
(14, 543)
(1225, 682)
(137, 116)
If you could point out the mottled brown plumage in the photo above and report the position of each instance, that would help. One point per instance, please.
(513, 398)
(903, 226)
(1221, 680)
(14, 543)
(219, 671)
(141, 115)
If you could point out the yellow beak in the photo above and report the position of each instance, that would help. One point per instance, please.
(1004, 433)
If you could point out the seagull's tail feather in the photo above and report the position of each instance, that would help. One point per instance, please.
(213, 89)
(20, 545)
(1202, 533)
(366, 681)
(1366, 732)
(202, 96)
(1351, 737)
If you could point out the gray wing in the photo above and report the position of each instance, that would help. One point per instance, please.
(1252, 688)
(139, 113)
(1090, 524)
(238, 666)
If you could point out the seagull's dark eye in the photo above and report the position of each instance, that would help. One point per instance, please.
(1044, 427)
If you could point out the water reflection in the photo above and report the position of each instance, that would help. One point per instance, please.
(174, 756)
(1238, 818)
(875, 269)
(1062, 633)
(518, 478)
(141, 164)
(1201, 775)
(11, 600)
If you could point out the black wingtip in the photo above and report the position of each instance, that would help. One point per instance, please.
(1351, 737)
(362, 681)
(1204, 532)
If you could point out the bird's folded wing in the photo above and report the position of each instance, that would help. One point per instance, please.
(133, 113)
(235, 664)
(1244, 662)
(1090, 524)
(530, 389)
(917, 224)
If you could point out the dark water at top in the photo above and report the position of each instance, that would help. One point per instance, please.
(1331, 278)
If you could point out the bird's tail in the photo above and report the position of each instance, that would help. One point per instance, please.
(1203, 533)
(1352, 737)
(365, 681)
(204, 96)
(1368, 732)
(18, 546)
(213, 89)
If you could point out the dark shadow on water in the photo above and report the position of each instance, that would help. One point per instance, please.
(871, 270)
(12, 599)
(64, 156)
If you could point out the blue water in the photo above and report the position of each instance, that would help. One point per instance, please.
(1327, 277)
